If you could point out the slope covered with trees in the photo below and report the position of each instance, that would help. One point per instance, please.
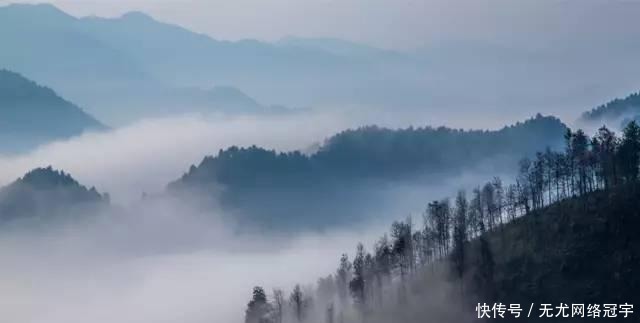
(46, 193)
(31, 114)
(555, 238)
(255, 181)
(615, 111)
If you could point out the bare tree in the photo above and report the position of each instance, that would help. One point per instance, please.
(278, 305)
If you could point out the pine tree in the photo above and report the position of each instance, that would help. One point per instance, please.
(258, 308)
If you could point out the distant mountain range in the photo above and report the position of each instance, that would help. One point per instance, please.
(46, 193)
(127, 68)
(321, 188)
(133, 66)
(31, 114)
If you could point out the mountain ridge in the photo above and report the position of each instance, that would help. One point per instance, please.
(34, 114)
(349, 164)
(46, 193)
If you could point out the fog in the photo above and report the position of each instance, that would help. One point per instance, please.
(148, 155)
(150, 266)
(160, 259)
(157, 261)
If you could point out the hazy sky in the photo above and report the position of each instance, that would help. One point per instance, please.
(385, 23)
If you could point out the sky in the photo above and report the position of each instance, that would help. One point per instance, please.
(398, 24)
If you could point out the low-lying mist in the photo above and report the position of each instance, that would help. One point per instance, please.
(153, 263)
(146, 156)
(160, 259)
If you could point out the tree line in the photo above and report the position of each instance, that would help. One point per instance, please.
(372, 279)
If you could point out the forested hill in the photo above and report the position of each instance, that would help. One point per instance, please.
(582, 250)
(564, 233)
(616, 110)
(31, 114)
(378, 152)
(338, 173)
(45, 192)
(374, 151)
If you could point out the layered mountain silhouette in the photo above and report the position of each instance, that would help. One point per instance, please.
(320, 188)
(46, 193)
(31, 114)
(134, 62)
(120, 67)
(617, 112)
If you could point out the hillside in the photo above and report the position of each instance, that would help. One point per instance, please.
(583, 249)
(46, 193)
(344, 173)
(31, 114)
(615, 111)
(569, 238)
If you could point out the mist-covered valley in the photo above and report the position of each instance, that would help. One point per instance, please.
(151, 171)
(133, 250)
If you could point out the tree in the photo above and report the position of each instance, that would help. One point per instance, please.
(357, 283)
(498, 196)
(278, 305)
(488, 197)
(629, 152)
(476, 213)
(258, 308)
(511, 202)
(383, 265)
(402, 246)
(525, 185)
(580, 154)
(343, 277)
(299, 302)
(440, 214)
(486, 268)
(460, 236)
(604, 146)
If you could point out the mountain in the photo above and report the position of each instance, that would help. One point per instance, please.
(124, 63)
(126, 68)
(31, 114)
(46, 193)
(615, 111)
(56, 52)
(152, 102)
(582, 250)
(579, 251)
(183, 58)
(330, 185)
(500, 252)
(339, 47)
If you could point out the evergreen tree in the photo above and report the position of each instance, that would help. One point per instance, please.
(258, 308)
